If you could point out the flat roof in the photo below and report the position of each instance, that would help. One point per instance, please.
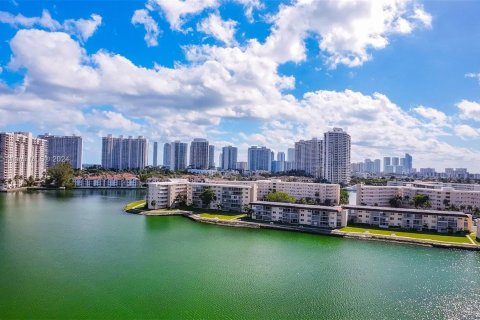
(296, 205)
(243, 186)
(407, 210)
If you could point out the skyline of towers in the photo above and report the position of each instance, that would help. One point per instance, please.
(124, 153)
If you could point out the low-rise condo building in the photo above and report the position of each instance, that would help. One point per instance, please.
(299, 214)
(414, 219)
(108, 181)
(228, 197)
(322, 193)
(439, 198)
(169, 194)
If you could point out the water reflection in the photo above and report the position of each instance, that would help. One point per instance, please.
(159, 223)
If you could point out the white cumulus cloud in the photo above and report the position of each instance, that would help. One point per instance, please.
(347, 30)
(176, 11)
(81, 28)
(151, 27)
(220, 29)
(469, 110)
(466, 131)
(431, 113)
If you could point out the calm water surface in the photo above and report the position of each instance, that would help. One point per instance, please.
(77, 255)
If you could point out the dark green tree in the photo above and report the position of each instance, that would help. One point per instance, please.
(395, 202)
(61, 175)
(280, 197)
(207, 196)
(421, 200)
(344, 198)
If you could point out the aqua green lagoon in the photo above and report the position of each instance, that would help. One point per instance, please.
(76, 254)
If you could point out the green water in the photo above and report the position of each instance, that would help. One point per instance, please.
(77, 255)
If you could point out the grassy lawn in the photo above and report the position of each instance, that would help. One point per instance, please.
(473, 236)
(416, 235)
(136, 205)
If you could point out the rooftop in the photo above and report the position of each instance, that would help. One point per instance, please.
(296, 205)
(405, 210)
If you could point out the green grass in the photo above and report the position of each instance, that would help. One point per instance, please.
(140, 204)
(415, 235)
(222, 216)
(474, 238)
(217, 214)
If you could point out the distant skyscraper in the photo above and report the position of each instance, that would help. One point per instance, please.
(21, 157)
(279, 164)
(64, 149)
(336, 159)
(377, 166)
(229, 158)
(211, 157)
(155, 154)
(259, 158)
(308, 156)
(199, 158)
(178, 155)
(241, 165)
(124, 153)
(387, 165)
(395, 161)
(167, 155)
(291, 155)
(408, 163)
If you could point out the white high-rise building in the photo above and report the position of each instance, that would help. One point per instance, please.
(64, 149)
(178, 155)
(229, 158)
(199, 158)
(124, 153)
(259, 159)
(309, 156)
(336, 159)
(291, 155)
(21, 157)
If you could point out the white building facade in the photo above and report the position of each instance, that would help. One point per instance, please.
(439, 197)
(21, 157)
(322, 193)
(64, 149)
(299, 214)
(336, 156)
(108, 181)
(411, 219)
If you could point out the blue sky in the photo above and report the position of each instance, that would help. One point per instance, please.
(400, 76)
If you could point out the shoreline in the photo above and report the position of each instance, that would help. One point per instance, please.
(327, 232)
